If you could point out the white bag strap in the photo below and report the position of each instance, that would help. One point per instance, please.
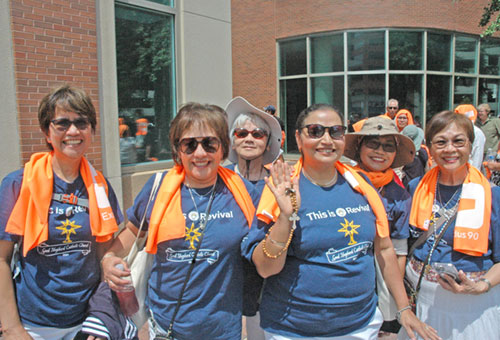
(141, 241)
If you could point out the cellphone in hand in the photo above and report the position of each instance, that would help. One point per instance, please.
(448, 269)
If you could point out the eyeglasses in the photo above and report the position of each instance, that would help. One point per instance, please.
(375, 144)
(443, 143)
(317, 131)
(189, 145)
(256, 133)
(63, 124)
(392, 107)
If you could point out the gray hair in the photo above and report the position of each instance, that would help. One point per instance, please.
(253, 118)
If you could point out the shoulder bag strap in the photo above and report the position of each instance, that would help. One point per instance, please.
(141, 241)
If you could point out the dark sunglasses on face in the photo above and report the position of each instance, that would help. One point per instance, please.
(375, 144)
(393, 107)
(63, 124)
(317, 131)
(189, 145)
(256, 133)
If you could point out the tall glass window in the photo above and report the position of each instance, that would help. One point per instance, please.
(405, 50)
(293, 57)
(438, 94)
(490, 57)
(329, 90)
(146, 83)
(438, 52)
(465, 87)
(366, 50)
(465, 54)
(366, 95)
(407, 89)
(327, 53)
(292, 101)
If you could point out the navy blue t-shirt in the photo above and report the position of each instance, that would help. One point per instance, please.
(58, 276)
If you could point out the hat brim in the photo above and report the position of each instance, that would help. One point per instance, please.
(239, 105)
(405, 148)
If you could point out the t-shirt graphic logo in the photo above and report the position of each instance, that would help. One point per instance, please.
(67, 228)
(192, 235)
(349, 228)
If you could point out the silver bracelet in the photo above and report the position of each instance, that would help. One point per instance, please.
(399, 312)
(487, 282)
(280, 244)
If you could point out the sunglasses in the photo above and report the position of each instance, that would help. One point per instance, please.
(189, 145)
(317, 131)
(393, 107)
(63, 124)
(375, 144)
(256, 133)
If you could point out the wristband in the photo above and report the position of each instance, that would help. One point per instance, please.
(106, 256)
(399, 312)
(487, 282)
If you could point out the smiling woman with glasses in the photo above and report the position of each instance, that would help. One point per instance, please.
(61, 212)
(195, 225)
(320, 226)
(454, 222)
(378, 148)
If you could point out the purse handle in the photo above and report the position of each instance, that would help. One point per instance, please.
(141, 241)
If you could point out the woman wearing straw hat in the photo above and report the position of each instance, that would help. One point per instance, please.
(378, 148)
(320, 226)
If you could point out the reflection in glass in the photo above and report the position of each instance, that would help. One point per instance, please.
(328, 90)
(366, 96)
(146, 86)
(465, 54)
(366, 50)
(407, 89)
(405, 50)
(490, 57)
(488, 93)
(293, 57)
(293, 99)
(164, 2)
(464, 90)
(327, 53)
(438, 52)
(438, 94)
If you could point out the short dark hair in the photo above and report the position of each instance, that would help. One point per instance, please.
(442, 120)
(199, 116)
(315, 107)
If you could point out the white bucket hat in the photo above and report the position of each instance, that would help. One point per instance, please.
(239, 105)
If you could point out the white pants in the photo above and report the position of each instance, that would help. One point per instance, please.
(254, 331)
(52, 333)
(369, 332)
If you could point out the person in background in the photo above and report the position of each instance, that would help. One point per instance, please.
(477, 154)
(320, 227)
(377, 149)
(255, 142)
(490, 127)
(392, 109)
(128, 150)
(420, 163)
(61, 212)
(271, 110)
(403, 119)
(456, 213)
(196, 189)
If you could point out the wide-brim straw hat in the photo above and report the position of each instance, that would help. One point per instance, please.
(239, 105)
(380, 126)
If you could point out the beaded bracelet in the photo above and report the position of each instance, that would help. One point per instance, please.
(294, 218)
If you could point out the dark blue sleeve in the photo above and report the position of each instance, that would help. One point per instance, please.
(136, 211)
(495, 224)
(255, 235)
(9, 192)
(113, 202)
(398, 210)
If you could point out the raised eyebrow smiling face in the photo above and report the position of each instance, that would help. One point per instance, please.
(447, 156)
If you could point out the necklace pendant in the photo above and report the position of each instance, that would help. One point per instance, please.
(194, 216)
(435, 208)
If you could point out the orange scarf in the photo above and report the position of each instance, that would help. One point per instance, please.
(167, 221)
(378, 178)
(268, 209)
(408, 116)
(472, 224)
(29, 218)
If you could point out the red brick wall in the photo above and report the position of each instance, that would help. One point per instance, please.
(257, 24)
(54, 43)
